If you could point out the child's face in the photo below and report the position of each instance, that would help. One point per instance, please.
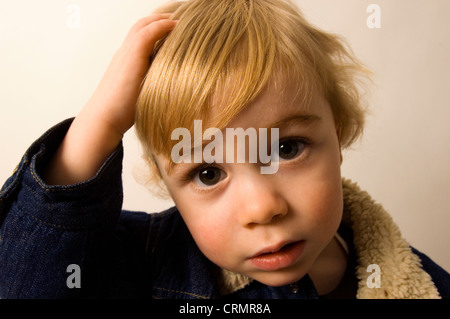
(243, 220)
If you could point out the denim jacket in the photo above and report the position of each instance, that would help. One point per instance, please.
(45, 230)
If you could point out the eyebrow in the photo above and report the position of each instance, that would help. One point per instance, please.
(295, 119)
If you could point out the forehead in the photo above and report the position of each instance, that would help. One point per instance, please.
(276, 104)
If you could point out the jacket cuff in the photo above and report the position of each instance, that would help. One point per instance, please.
(82, 205)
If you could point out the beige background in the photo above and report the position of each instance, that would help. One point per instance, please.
(49, 68)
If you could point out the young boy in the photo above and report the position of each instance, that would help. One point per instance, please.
(243, 226)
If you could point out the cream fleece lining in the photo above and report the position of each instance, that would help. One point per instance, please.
(377, 240)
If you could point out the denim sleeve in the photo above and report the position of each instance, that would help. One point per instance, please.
(53, 239)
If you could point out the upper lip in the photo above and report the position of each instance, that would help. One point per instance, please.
(273, 248)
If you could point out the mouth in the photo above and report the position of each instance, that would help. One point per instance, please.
(279, 256)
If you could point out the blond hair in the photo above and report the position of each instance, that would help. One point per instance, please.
(225, 52)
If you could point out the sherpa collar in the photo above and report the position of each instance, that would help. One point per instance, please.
(377, 240)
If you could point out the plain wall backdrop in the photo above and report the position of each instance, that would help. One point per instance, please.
(54, 52)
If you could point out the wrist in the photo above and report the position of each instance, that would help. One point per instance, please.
(84, 149)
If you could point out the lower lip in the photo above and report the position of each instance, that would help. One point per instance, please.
(280, 259)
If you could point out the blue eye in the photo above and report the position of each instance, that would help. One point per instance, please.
(208, 176)
(290, 149)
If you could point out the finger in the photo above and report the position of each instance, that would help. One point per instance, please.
(143, 22)
(149, 35)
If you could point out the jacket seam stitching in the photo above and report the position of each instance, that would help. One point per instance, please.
(182, 292)
(58, 226)
(72, 187)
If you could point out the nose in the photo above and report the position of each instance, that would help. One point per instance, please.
(261, 202)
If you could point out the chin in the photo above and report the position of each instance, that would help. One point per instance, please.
(278, 278)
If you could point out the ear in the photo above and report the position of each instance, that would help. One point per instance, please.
(340, 152)
(338, 133)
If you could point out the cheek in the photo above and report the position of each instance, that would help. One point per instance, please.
(212, 232)
(209, 222)
(208, 235)
(326, 204)
(319, 196)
